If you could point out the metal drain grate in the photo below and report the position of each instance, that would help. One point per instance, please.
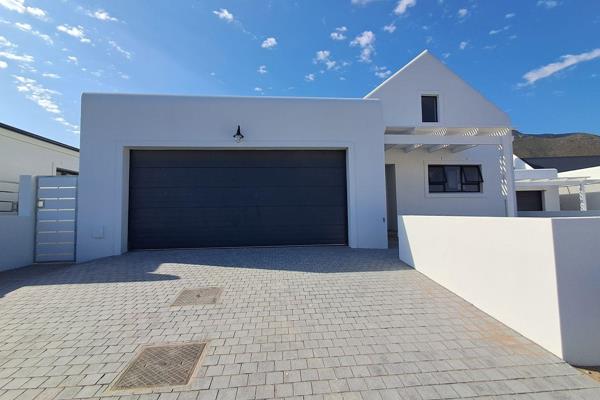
(190, 297)
(165, 365)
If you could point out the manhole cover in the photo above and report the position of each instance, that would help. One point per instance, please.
(190, 297)
(165, 365)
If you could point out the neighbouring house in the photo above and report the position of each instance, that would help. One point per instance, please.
(570, 197)
(24, 157)
(542, 188)
(184, 171)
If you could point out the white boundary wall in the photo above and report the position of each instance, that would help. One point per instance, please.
(539, 276)
(17, 230)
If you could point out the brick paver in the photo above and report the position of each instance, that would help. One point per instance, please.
(298, 323)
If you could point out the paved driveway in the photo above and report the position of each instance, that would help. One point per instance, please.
(312, 323)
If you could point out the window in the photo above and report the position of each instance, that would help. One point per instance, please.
(454, 178)
(429, 108)
(66, 172)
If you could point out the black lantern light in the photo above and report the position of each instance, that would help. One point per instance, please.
(238, 135)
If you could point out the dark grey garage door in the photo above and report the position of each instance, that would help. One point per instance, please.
(206, 198)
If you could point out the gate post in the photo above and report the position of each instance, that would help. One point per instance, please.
(27, 196)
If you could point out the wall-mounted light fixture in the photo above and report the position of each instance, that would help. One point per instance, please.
(238, 135)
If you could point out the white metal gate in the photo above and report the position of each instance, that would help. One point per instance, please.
(56, 218)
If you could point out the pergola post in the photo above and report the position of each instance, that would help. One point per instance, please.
(582, 198)
(507, 155)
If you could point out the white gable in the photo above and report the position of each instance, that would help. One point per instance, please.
(459, 105)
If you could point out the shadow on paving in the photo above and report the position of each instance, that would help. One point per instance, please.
(141, 266)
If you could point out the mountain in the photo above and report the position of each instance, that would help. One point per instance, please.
(555, 145)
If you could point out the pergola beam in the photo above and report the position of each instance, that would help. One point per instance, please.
(441, 140)
(462, 147)
(410, 148)
(437, 147)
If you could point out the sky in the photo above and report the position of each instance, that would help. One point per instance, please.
(538, 60)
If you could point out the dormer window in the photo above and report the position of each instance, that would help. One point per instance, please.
(429, 108)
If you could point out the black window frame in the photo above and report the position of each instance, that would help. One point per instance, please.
(466, 184)
(436, 109)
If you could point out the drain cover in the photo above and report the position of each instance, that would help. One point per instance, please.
(190, 297)
(165, 365)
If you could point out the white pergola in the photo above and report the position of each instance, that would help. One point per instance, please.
(457, 139)
(581, 182)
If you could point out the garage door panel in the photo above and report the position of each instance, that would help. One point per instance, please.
(242, 237)
(201, 198)
(238, 159)
(236, 177)
(236, 197)
(179, 218)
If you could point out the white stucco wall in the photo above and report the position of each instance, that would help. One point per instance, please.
(22, 155)
(112, 124)
(539, 276)
(17, 230)
(459, 105)
(412, 190)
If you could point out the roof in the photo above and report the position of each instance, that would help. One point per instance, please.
(563, 164)
(557, 182)
(37, 137)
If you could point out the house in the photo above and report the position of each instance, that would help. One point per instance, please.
(548, 190)
(24, 153)
(163, 171)
(24, 157)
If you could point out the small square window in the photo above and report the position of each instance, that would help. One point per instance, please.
(429, 108)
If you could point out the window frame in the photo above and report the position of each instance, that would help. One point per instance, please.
(437, 107)
(463, 181)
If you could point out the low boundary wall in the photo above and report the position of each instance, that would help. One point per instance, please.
(539, 276)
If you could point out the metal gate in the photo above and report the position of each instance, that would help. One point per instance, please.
(56, 218)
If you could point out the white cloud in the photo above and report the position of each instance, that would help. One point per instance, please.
(390, 28)
(4, 42)
(309, 77)
(403, 6)
(38, 93)
(224, 14)
(499, 30)
(509, 15)
(547, 3)
(43, 97)
(72, 60)
(462, 13)
(28, 28)
(269, 43)
(382, 72)
(463, 45)
(74, 31)
(3, 64)
(16, 57)
(323, 57)
(566, 61)
(262, 70)
(50, 75)
(258, 89)
(20, 7)
(366, 42)
(118, 48)
(72, 127)
(339, 33)
(102, 15)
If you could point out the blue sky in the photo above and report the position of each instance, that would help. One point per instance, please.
(539, 60)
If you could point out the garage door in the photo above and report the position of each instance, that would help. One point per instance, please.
(208, 198)
(530, 200)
